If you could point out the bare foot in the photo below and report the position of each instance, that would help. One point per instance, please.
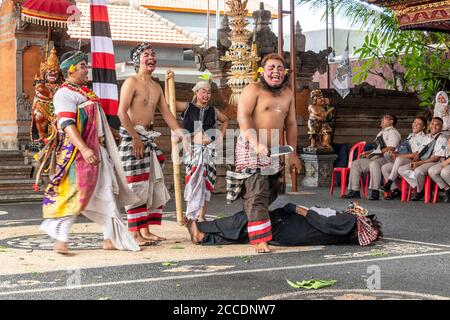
(146, 234)
(140, 240)
(201, 219)
(196, 235)
(262, 247)
(108, 245)
(61, 248)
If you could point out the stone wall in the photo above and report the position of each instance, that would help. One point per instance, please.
(358, 115)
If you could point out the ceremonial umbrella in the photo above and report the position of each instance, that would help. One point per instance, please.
(50, 13)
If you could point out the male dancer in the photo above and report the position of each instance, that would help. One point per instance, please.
(264, 110)
(141, 158)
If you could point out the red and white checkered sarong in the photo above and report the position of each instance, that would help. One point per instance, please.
(247, 160)
(366, 233)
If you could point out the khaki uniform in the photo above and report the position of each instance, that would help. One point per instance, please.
(373, 165)
(416, 178)
(441, 175)
(390, 170)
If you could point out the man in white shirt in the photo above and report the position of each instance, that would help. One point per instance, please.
(416, 141)
(371, 161)
(432, 153)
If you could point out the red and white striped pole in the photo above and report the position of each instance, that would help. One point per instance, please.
(104, 79)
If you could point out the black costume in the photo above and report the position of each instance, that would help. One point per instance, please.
(288, 228)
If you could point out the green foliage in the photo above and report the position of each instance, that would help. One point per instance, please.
(416, 61)
(360, 15)
(406, 60)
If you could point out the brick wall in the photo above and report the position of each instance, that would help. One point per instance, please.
(8, 124)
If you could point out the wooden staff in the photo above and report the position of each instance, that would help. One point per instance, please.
(170, 97)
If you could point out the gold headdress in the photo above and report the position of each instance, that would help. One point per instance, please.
(315, 94)
(52, 63)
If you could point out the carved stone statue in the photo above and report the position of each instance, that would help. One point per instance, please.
(203, 57)
(223, 43)
(308, 63)
(265, 38)
(300, 40)
(46, 84)
(318, 128)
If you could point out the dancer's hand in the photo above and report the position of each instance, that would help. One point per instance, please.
(206, 140)
(169, 74)
(261, 149)
(89, 156)
(138, 148)
(294, 162)
(186, 140)
(302, 211)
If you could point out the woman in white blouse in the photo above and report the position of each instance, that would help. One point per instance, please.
(442, 110)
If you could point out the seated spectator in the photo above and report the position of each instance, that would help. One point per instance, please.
(403, 154)
(294, 225)
(442, 110)
(440, 173)
(371, 161)
(432, 153)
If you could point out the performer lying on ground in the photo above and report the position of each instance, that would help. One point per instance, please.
(294, 225)
(265, 109)
(200, 119)
(141, 158)
(87, 175)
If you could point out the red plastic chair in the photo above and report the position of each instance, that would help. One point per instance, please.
(436, 191)
(406, 190)
(359, 148)
(364, 184)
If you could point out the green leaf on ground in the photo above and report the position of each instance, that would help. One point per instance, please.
(32, 271)
(312, 284)
(21, 258)
(378, 253)
(246, 259)
(169, 264)
(177, 247)
(293, 284)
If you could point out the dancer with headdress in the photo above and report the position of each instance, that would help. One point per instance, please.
(86, 177)
(200, 120)
(141, 158)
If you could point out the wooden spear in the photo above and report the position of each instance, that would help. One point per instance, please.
(171, 99)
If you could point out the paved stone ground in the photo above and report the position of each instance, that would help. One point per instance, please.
(412, 260)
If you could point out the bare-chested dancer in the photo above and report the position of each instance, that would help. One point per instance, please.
(141, 158)
(264, 110)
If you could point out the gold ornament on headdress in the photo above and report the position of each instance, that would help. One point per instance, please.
(316, 94)
(52, 63)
